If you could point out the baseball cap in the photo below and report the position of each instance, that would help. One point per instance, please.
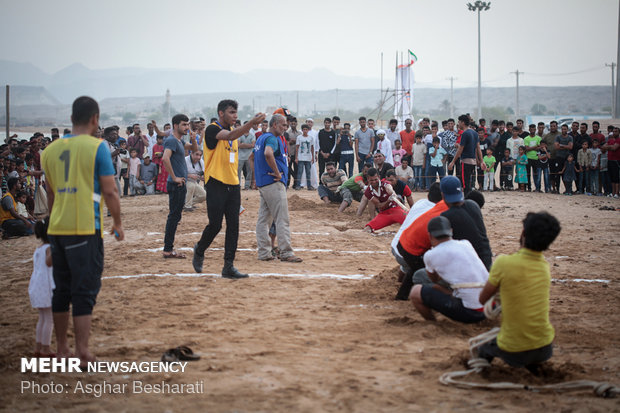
(195, 119)
(439, 227)
(451, 189)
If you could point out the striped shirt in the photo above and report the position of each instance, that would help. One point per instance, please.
(332, 183)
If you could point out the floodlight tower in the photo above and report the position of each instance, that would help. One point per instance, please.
(479, 6)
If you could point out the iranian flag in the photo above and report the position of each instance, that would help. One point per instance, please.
(412, 57)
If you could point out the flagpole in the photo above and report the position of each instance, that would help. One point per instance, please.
(381, 96)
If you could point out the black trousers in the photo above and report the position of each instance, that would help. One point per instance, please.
(222, 201)
(468, 175)
(415, 263)
(555, 166)
(292, 172)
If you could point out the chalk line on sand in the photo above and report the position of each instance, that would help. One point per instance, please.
(254, 250)
(267, 274)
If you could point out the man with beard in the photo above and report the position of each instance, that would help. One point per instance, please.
(554, 165)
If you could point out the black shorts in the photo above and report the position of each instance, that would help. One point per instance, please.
(78, 265)
(449, 305)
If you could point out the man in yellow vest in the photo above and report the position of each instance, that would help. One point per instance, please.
(221, 159)
(11, 222)
(79, 172)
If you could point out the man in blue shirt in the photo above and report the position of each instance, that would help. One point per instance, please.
(271, 173)
(469, 153)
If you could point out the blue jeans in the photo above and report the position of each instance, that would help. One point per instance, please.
(433, 172)
(594, 182)
(301, 165)
(176, 200)
(417, 176)
(360, 164)
(345, 160)
(545, 173)
(606, 182)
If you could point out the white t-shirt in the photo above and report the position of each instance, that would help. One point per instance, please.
(195, 168)
(403, 173)
(385, 146)
(305, 147)
(457, 262)
(416, 210)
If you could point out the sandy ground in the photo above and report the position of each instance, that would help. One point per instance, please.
(276, 343)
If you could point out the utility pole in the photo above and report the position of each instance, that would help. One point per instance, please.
(479, 6)
(613, 88)
(517, 73)
(617, 105)
(297, 103)
(337, 108)
(8, 117)
(451, 79)
(381, 90)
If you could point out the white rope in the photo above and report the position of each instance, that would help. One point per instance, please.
(476, 364)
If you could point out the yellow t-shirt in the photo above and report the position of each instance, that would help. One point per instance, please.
(69, 164)
(221, 162)
(524, 280)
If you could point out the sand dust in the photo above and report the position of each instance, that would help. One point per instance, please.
(317, 344)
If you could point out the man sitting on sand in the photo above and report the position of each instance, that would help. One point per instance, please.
(379, 195)
(331, 179)
(452, 278)
(523, 280)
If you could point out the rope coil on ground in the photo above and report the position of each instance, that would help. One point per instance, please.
(476, 364)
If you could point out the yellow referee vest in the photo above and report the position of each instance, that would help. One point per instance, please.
(70, 165)
(217, 161)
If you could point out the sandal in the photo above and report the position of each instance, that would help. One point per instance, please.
(267, 259)
(292, 258)
(173, 254)
(275, 252)
(186, 354)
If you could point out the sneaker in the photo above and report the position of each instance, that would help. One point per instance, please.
(616, 196)
(241, 209)
(588, 194)
(312, 189)
(197, 260)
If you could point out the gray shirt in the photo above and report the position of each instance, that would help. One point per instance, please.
(364, 140)
(177, 159)
(563, 153)
(244, 154)
(148, 172)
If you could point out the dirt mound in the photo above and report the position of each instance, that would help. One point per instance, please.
(296, 203)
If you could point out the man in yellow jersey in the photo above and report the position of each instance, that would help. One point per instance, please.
(523, 280)
(221, 159)
(79, 171)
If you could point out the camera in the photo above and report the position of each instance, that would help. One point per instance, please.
(123, 151)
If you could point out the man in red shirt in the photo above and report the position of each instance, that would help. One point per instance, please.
(407, 136)
(379, 195)
(596, 134)
(613, 160)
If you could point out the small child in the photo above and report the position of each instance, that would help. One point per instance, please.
(398, 153)
(595, 166)
(543, 167)
(489, 170)
(525, 337)
(584, 159)
(418, 160)
(123, 156)
(521, 173)
(568, 174)
(134, 165)
(437, 154)
(505, 173)
(40, 290)
(23, 211)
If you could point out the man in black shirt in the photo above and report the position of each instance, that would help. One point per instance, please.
(382, 166)
(327, 142)
(467, 223)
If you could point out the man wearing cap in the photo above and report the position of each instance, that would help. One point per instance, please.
(452, 278)
(466, 219)
(195, 178)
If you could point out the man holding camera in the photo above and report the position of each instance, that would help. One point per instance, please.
(195, 176)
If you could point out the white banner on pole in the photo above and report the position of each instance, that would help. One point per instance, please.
(403, 96)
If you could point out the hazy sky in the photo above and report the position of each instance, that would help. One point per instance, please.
(546, 39)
